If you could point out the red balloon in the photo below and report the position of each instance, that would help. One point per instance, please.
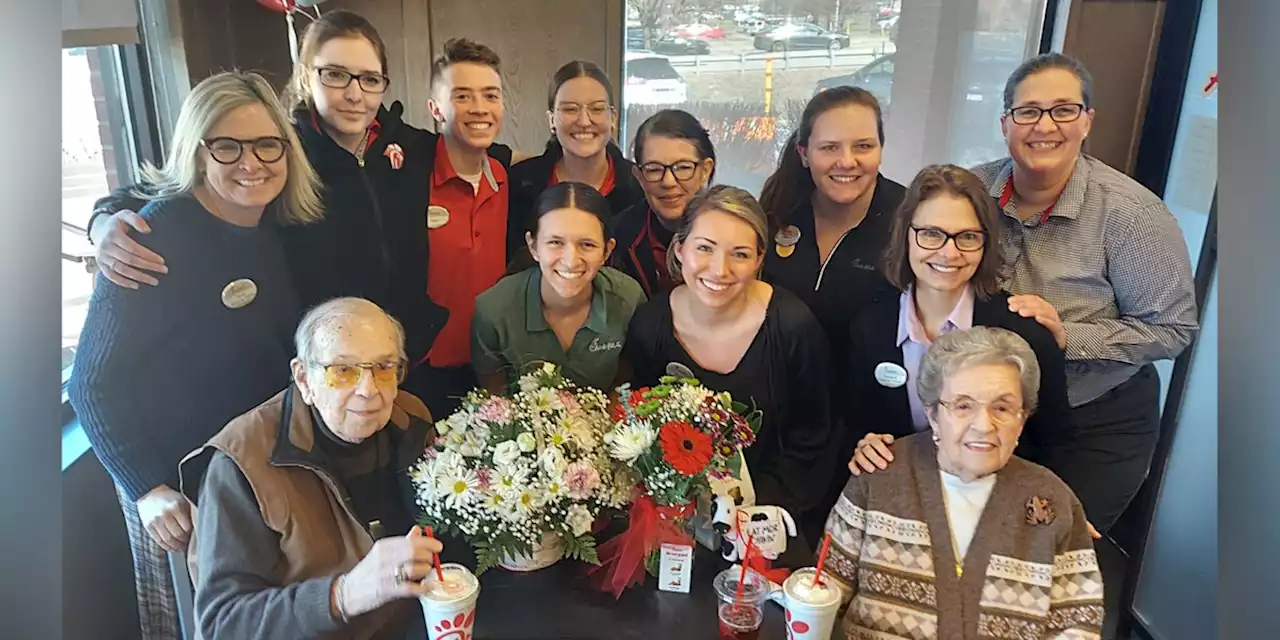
(279, 6)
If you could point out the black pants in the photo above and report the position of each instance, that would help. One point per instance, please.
(441, 388)
(1117, 438)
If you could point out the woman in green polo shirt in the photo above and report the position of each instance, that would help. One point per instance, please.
(568, 309)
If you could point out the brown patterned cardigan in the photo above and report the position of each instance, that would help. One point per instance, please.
(1030, 572)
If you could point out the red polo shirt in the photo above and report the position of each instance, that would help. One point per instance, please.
(605, 187)
(468, 252)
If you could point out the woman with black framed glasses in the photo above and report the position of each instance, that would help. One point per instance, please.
(944, 257)
(160, 370)
(674, 161)
(583, 119)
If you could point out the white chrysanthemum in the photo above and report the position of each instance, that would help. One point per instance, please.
(458, 422)
(458, 487)
(629, 441)
(545, 400)
(579, 519)
(506, 452)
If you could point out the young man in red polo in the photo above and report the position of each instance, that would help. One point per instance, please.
(467, 225)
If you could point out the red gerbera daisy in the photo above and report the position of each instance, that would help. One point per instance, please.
(685, 448)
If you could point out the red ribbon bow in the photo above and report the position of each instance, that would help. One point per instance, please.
(622, 558)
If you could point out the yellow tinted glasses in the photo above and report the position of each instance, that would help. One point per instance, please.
(341, 376)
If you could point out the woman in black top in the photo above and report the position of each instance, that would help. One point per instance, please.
(675, 160)
(583, 119)
(944, 259)
(738, 334)
(829, 207)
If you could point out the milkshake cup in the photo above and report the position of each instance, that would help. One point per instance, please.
(811, 608)
(739, 610)
(450, 606)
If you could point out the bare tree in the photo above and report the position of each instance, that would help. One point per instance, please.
(650, 14)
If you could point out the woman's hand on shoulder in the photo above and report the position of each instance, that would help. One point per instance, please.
(872, 454)
(121, 259)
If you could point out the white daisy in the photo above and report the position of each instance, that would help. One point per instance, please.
(459, 487)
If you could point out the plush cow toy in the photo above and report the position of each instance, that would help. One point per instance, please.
(767, 527)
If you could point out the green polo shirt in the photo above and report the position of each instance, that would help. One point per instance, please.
(509, 331)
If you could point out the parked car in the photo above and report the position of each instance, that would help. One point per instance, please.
(650, 79)
(676, 46)
(635, 38)
(800, 36)
(699, 31)
(876, 77)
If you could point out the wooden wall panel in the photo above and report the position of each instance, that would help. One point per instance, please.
(1117, 41)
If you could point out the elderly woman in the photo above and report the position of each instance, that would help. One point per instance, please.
(155, 374)
(959, 536)
(298, 493)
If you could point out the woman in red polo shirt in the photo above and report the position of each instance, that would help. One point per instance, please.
(583, 119)
(674, 161)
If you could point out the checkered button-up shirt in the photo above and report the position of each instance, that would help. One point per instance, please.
(1112, 261)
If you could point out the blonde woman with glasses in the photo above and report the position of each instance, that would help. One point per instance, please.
(161, 369)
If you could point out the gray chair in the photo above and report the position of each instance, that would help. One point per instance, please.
(184, 594)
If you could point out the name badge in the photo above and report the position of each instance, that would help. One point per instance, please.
(678, 370)
(891, 375)
(239, 293)
(785, 240)
(437, 216)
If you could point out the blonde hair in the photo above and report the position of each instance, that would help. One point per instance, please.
(736, 202)
(210, 102)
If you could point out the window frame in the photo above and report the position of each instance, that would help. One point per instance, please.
(131, 108)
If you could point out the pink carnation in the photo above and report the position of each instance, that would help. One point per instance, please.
(485, 477)
(570, 402)
(580, 479)
(496, 410)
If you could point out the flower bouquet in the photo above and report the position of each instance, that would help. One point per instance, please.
(523, 477)
(678, 437)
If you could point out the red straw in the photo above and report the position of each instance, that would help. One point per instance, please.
(822, 559)
(746, 555)
(436, 559)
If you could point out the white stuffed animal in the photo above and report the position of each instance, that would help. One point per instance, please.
(767, 527)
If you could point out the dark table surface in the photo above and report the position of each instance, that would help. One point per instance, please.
(560, 602)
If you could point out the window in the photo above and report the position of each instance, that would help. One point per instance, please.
(938, 70)
(98, 154)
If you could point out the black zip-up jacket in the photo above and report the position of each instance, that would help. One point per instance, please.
(531, 177)
(373, 241)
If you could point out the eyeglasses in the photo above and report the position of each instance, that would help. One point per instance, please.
(655, 171)
(932, 239)
(344, 376)
(596, 111)
(1058, 113)
(225, 150)
(341, 79)
(965, 409)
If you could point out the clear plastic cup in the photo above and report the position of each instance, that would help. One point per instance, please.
(811, 607)
(740, 614)
(450, 606)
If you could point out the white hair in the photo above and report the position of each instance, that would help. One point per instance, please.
(327, 316)
(977, 346)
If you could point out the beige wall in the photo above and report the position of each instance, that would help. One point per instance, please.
(533, 38)
(1117, 41)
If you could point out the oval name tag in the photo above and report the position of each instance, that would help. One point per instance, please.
(239, 293)
(678, 370)
(891, 375)
(437, 216)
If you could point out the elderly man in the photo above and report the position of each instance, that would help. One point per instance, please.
(297, 494)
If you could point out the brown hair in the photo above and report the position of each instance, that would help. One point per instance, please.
(791, 185)
(338, 23)
(463, 50)
(722, 197)
(932, 181)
